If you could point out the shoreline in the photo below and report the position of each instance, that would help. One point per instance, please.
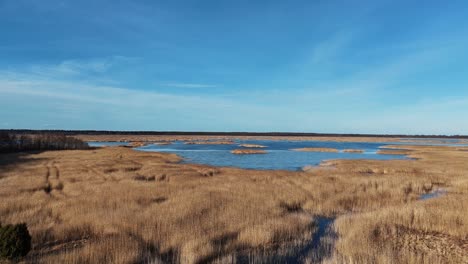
(399, 150)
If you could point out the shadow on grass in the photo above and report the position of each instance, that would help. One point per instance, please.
(8, 161)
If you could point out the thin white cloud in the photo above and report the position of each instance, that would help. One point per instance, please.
(340, 105)
(329, 49)
(62, 99)
(190, 85)
(76, 68)
(425, 116)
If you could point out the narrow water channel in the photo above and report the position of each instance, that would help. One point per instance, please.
(433, 194)
(318, 247)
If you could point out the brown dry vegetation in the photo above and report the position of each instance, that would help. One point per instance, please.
(117, 205)
(393, 150)
(209, 142)
(353, 151)
(137, 144)
(252, 146)
(248, 151)
(316, 149)
(170, 138)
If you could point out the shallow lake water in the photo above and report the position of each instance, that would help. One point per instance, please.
(279, 154)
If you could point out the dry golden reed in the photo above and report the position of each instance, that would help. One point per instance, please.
(117, 205)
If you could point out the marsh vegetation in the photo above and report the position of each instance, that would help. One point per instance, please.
(248, 151)
(118, 205)
(316, 149)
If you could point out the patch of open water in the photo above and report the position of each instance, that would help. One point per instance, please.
(279, 155)
(433, 194)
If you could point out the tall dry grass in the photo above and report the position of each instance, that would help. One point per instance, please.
(116, 205)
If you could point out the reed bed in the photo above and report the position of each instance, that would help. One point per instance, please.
(98, 206)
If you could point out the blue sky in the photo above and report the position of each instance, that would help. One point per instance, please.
(299, 66)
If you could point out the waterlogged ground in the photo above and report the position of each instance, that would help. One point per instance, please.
(279, 154)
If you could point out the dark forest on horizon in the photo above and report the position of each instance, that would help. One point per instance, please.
(195, 133)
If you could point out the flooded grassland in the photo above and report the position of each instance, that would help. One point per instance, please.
(119, 205)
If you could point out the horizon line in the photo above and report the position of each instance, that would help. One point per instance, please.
(227, 133)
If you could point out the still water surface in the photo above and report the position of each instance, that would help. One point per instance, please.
(279, 154)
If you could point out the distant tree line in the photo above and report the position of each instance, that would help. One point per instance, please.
(195, 133)
(10, 142)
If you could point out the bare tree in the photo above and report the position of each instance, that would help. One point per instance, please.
(14, 143)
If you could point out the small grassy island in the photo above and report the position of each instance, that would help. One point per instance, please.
(248, 151)
(316, 150)
(252, 146)
(353, 151)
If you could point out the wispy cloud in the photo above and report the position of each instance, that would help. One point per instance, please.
(190, 85)
(53, 95)
(329, 49)
(79, 67)
(425, 116)
(75, 104)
